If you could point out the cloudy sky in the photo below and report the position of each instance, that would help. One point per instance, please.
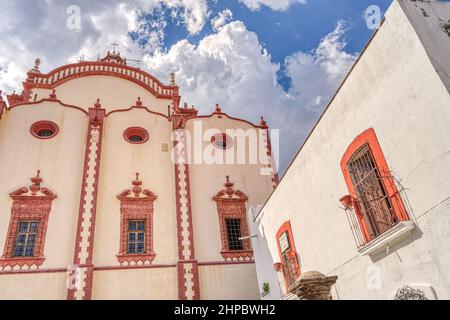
(283, 59)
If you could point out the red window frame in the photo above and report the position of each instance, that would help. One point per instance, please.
(286, 227)
(231, 205)
(31, 203)
(136, 204)
(368, 137)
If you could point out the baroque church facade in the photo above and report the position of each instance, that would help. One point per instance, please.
(98, 197)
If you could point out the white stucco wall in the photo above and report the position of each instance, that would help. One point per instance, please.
(393, 89)
(21, 155)
(136, 284)
(225, 282)
(113, 92)
(120, 161)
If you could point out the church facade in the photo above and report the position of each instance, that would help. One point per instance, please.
(111, 189)
(367, 197)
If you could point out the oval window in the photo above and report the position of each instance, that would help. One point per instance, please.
(44, 129)
(222, 141)
(136, 135)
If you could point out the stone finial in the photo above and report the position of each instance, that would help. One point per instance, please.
(263, 123)
(313, 285)
(218, 109)
(97, 105)
(229, 187)
(53, 95)
(37, 64)
(172, 79)
(36, 186)
(137, 190)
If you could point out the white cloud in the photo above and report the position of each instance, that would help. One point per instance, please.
(221, 19)
(278, 5)
(31, 29)
(232, 68)
(315, 75)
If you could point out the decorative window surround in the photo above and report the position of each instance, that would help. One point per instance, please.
(44, 125)
(291, 266)
(29, 203)
(130, 134)
(231, 205)
(136, 204)
(397, 233)
(356, 216)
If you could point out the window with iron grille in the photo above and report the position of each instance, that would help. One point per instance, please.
(372, 199)
(136, 237)
(233, 234)
(25, 239)
(288, 255)
(374, 203)
(288, 262)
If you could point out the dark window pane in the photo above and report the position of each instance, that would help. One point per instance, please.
(141, 225)
(18, 251)
(34, 226)
(131, 248)
(141, 236)
(132, 225)
(131, 237)
(233, 234)
(21, 239)
(23, 226)
(136, 138)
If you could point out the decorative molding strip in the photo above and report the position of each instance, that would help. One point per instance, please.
(88, 206)
(271, 166)
(188, 279)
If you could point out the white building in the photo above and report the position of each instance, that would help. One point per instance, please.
(382, 150)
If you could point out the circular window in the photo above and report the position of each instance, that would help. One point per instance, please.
(44, 129)
(136, 135)
(222, 141)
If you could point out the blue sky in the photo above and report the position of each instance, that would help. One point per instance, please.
(283, 59)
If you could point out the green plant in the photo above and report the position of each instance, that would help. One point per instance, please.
(266, 287)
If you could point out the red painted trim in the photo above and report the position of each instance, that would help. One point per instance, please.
(221, 263)
(222, 137)
(96, 119)
(286, 227)
(132, 267)
(136, 131)
(48, 100)
(29, 203)
(2, 105)
(177, 120)
(41, 125)
(231, 204)
(135, 107)
(113, 268)
(368, 137)
(222, 115)
(86, 73)
(136, 204)
(32, 271)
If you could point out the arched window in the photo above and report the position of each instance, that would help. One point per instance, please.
(288, 254)
(373, 193)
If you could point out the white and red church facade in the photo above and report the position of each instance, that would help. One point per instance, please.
(114, 209)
